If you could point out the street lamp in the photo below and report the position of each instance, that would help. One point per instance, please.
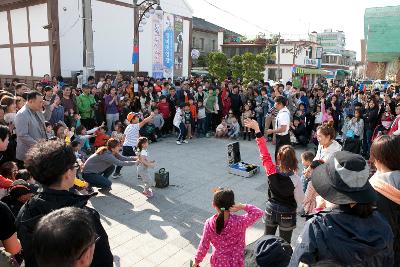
(141, 12)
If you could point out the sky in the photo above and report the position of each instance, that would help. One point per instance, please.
(293, 18)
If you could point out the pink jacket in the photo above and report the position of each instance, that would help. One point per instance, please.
(229, 244)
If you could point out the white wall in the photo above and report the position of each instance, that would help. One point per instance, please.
(70, 23)
(286, 73)
(287, 58)
(40, 60)
(146, 48)
(5, 61)
(4, 38)
(112, 36)
(38, 19)
(22, 64)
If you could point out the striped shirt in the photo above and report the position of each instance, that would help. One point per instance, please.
(131, 135)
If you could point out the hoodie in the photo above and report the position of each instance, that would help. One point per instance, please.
(345, 239)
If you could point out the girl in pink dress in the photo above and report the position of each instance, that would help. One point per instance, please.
(226, 231)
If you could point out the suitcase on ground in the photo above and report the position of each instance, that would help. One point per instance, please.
(161, 178)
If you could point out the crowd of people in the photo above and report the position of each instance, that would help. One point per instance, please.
(58, 141)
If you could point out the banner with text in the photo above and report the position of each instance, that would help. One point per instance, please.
(178, 46)
(168, 45)
(157, 62)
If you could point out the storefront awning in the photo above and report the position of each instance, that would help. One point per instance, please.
(342, 72)
(300, 70)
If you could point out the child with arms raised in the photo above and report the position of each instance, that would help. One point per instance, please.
(285, 194)
(226, 231)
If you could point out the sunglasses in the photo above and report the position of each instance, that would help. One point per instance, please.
(88, 246)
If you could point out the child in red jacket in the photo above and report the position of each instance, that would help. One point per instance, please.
(101, 137)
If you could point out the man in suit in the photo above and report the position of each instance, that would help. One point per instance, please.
(29, 124)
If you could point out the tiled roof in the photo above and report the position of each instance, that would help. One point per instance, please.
(202, 24)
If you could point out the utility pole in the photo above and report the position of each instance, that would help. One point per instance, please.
(279, 57)
(88, 55)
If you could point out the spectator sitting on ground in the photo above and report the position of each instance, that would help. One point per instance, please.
(222, 129)
(72, 245)
(101, 137)
(298, 130)
(234, 130)
(53, 165)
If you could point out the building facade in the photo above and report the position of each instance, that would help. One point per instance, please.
(208, 37)
(40, 37)
(299, 63)
(382, 43)
(332, 42)
(335, 57)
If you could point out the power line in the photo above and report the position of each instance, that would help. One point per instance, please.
(238, 17)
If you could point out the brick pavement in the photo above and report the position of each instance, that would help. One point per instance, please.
(166, 230)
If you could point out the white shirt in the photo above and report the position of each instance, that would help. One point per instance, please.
(131, 135)
(283, 118)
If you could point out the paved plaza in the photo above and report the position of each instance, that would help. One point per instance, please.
(166, 229)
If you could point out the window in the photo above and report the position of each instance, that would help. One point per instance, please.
(194, 42)
(213, 45)
(283, 50)
(201, 43)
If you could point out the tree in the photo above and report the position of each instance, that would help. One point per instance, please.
(202, 61)
(270, 50)
(236, 67)
(253, 66)
(217, 65)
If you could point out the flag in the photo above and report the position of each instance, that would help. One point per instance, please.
(135, 54)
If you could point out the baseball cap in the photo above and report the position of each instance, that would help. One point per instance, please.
(132, 115)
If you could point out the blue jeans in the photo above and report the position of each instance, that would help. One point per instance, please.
(208, 122)
(261, 121)
(111, 119)
(99, 179)
(127, 151)
(201, 126)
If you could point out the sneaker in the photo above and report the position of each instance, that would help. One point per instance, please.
(116, 175)
(150, 192)
(178, 142)
(185, 141)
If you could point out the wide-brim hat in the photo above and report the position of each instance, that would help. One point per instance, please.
(268, 250)
(343, 179)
